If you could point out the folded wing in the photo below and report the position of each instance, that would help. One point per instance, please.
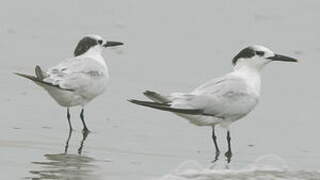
(75, 73)
(222, 97)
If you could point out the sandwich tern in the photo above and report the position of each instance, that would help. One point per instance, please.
(77, 80)
(223, 100)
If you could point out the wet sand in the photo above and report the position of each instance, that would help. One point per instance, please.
(169, 46)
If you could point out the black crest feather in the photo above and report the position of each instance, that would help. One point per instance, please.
(244, 53)
(84, 45)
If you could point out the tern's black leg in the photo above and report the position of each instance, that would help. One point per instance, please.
(228, 154)
(85, 129)
(214, 138)
(67, 142)
(68, 116)
(84, 137)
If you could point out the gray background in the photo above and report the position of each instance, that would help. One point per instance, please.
(169, 46)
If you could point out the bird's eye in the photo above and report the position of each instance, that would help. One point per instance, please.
(100, 41)
(260, 53)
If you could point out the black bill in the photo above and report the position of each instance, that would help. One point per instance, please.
(112, 43)
(278, 57)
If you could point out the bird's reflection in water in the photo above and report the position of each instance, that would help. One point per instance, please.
(65, 165)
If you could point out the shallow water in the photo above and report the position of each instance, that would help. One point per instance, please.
(169, 46)
(264, 168)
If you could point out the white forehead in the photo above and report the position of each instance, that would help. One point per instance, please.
(94, 36)
(262, 48)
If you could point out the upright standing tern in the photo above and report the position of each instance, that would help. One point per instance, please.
(222, 100)
(77, 80)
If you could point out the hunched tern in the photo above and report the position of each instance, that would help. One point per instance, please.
(77, 80)
(223, 100)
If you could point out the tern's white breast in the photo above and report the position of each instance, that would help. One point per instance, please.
(86, 75)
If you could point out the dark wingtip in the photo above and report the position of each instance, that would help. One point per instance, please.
(38, 72)
(134, 101)
(147, 92)
(143, 103)
(131, 100)
(19, 74)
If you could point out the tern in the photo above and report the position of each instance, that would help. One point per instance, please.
(220, 101)
(77, 80)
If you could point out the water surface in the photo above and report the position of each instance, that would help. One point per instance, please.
(169, 46)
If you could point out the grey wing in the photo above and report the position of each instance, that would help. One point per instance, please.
(222, 97)
(212, 85)
(75, 73)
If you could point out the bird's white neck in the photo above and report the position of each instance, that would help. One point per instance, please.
(251, 75)
(95, 53)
